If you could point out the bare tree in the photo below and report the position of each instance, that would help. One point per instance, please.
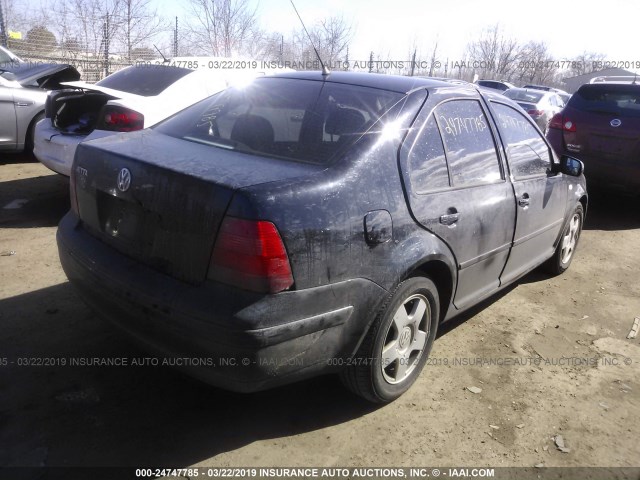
(222, 27)
(91, 23)
(139, 24)
(493, 54)
(586, 62)
(536, 64)
(333, 36)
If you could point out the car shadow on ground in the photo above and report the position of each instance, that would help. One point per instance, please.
(34, 201)
(610, 211)
(130, 415)
(21, 157)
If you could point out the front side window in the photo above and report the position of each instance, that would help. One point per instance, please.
(527, 153)
(468, 141)
(293, 119)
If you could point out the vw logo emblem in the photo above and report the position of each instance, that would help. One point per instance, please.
(124, 180)
(616, 122)
(405, 338)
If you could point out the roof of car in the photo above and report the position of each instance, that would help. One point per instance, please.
(533, 90)
(395, 83)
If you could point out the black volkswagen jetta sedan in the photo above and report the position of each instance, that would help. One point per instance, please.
(307, 224)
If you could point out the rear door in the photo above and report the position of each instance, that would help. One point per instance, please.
(458, 191)
(540, 195)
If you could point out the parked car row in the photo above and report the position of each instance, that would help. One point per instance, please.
(599, 124)
(539, 101)
(130, 99)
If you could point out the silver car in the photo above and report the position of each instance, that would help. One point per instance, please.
(23, 91)
(540, 105)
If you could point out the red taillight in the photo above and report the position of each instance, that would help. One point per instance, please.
(119, 119)
(568, 125)
(561, 123)
(556, 121)
(535, 113)
(250, 254)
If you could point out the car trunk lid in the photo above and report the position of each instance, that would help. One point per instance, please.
(74, 111)
(605, 134)
(48, 76)
(161, 200)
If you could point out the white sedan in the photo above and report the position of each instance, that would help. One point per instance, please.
(130, 99)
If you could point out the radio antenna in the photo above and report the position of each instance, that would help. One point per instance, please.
(325, 70)
(164, 59)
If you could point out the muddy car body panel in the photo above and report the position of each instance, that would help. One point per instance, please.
(343, 188)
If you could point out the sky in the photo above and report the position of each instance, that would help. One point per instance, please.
(391, 28)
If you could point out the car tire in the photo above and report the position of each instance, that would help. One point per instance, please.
(566, 248)
(397, 344)
(29, 140)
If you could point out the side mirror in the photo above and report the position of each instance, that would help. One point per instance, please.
(571, 166)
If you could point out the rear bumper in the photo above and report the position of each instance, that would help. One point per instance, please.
(230, 338)
(53, 149)
(616, 174)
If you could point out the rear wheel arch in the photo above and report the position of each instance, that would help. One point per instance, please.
(440, 274)
(29, 134)
(584, 201)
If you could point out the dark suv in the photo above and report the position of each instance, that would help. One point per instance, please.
(308, 224)
(601, 126)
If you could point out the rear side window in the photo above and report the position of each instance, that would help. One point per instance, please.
(470, 149)
(527, 153)
(621, 100)
(427, 162)
(148, 80)
(280, 117)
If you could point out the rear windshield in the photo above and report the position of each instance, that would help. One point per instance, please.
(300, 120)
(524, 95)
(147, 80)
(622, 100)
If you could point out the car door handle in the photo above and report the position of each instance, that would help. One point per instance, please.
(449, 219)
(523, 201)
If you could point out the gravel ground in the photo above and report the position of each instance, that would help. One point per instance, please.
(586, 388)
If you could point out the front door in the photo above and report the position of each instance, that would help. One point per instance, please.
(7, 118)
(540, 195)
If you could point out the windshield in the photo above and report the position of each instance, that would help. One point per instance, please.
(145, 80)
(609, 99)
(295, 119)
(524, 95)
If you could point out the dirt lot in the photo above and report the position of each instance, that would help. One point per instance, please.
(152, 416)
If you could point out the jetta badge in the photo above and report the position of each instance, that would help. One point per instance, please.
(124, 180)
(616, 122)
